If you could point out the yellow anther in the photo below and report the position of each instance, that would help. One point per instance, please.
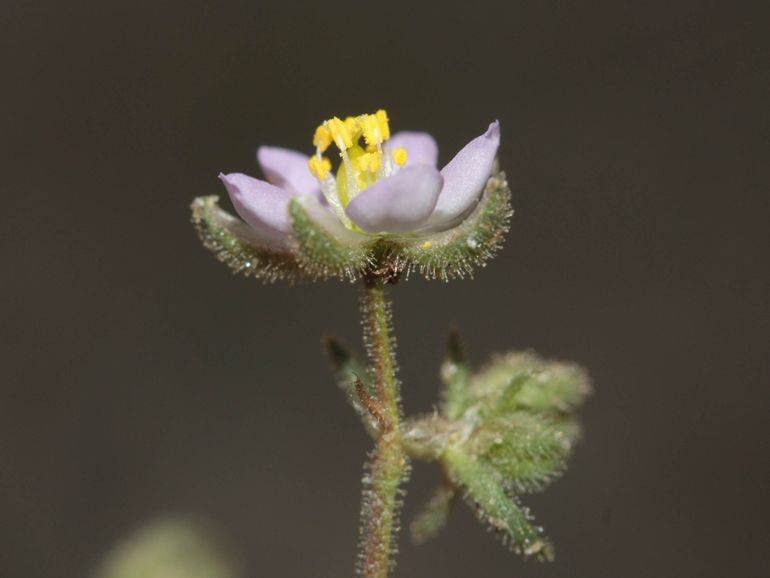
(399, 155)
(319, 167)
(322, 138)
(371, 129)
(370, 162)
(354, 128)
(339, 133)
(382, 118)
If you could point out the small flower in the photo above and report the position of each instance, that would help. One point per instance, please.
(386, 206)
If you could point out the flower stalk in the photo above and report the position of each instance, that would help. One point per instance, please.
(388, 464)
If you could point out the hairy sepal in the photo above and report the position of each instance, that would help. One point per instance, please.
(458, 251)
(323, 246)
(235, 244)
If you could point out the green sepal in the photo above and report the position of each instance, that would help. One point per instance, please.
(484, 489)
(456, 252)
(235, 244)
(434, 514)
(324, 247)
(348, 369)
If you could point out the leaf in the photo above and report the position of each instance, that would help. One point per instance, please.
(525, 381)
(484, 488)
(455, 373)
(557, 386)
(347, 370)
(236, 245)
(458, 251)
(528, 451)
(433, 516)
(508, 400)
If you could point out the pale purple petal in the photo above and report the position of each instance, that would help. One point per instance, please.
(465, 177)
(262, 205)
(421, 148)
(287, 169)
(397, 204)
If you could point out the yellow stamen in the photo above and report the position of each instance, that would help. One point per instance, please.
(319, 167)
(364, 157)
(340, 133)
(399, 155)
(370, 162)
(371, 130)
(322, 138)
(382, 118)
(354, 128)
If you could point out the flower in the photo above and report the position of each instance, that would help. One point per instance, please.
(383, 185)
(386, 193)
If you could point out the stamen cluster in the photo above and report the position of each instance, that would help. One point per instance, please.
(362, 163)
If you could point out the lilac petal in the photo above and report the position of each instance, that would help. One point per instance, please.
(397, 204)
(262, 205)
(465, 177)
(287, 169)
(421, 148)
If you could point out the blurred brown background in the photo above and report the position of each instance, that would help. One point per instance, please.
(140, 378)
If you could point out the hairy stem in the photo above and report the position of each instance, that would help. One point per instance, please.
(388, 464)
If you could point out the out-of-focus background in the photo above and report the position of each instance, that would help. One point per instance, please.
(141, 379)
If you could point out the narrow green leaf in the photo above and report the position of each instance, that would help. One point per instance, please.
(557, 386)
(455, 373)
(527, 450)
(484, 488)
(347, 369)
(508, 399)
(525, 381)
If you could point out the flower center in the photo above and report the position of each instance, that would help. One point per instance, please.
(365, 156)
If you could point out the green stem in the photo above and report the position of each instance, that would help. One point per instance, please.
(388, 464)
